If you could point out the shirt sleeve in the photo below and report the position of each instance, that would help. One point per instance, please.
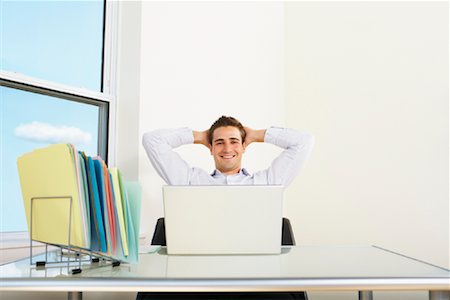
(287, 165)
(159, 146)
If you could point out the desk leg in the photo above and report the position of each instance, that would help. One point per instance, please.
(365, 295)
(439, 295)
(74, 295)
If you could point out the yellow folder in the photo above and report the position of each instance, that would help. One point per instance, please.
(49, 176)
(118, 202)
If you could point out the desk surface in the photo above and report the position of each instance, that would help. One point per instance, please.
(297, 268)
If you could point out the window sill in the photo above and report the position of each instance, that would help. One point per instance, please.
(10, 240)
(16, 245)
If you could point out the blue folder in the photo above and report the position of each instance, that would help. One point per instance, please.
(97, 206)
(103, 201)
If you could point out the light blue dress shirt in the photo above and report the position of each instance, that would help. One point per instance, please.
(174, 170)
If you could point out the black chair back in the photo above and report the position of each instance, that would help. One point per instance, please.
(287, 235)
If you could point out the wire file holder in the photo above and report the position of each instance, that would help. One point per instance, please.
(75, 255)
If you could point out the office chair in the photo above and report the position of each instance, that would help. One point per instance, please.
(287, 239)
(287, 235)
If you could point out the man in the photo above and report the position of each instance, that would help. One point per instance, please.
(227, 140)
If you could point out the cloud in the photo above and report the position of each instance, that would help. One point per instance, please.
(47, 133)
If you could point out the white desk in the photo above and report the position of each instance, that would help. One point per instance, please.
(361, 269)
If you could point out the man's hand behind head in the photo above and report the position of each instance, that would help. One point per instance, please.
(253, 135)
(202, 137)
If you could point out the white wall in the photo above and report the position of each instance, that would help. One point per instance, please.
(201, 60)
(371, 81)
(127, 142)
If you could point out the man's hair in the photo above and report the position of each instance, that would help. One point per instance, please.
(224, 121)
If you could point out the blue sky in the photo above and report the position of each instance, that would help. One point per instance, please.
(59, 41)
(54, 40)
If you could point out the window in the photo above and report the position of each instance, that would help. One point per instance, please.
(56, 71)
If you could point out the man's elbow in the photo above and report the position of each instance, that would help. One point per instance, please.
(305, 141)
(150, 139)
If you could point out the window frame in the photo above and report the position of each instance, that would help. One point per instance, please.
(105, 100)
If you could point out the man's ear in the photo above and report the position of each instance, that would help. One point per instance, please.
(244, 146)
(210, 149)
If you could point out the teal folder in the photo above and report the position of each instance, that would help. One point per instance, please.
(132, 193)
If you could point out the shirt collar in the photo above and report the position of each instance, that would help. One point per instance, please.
(242, 171)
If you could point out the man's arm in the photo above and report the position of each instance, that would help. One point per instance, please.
(159, 146)
(288, 164)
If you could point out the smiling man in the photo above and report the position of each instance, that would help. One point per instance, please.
(227, 140)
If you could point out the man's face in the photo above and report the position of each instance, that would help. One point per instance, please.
(227, 148)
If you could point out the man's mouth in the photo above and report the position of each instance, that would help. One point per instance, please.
(227, 156)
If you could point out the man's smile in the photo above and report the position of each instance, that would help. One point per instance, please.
(227, 156)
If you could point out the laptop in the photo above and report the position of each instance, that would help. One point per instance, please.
(216, 220)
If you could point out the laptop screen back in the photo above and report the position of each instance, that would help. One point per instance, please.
(223, 219)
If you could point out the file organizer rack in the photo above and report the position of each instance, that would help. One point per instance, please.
(78, 252)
